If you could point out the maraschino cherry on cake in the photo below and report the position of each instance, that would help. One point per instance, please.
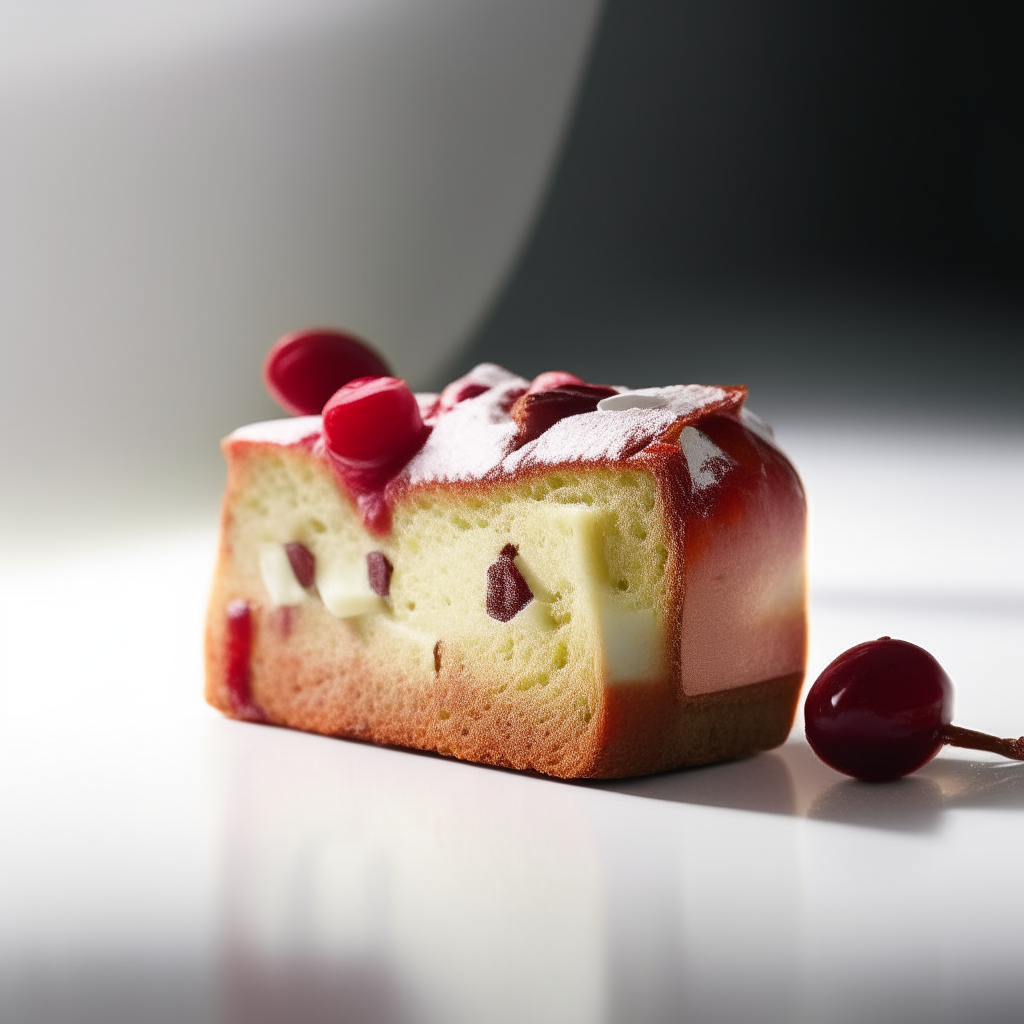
(580, 580)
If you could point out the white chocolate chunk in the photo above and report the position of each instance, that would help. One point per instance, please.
(631, 639)
(279, 577)
(583, 525)
(416, 647)
(631, 400)
(345, 589)
(632, 643)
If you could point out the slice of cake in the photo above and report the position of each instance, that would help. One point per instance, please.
(579, 580)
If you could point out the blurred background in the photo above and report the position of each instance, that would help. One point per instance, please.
(182, 182)
(822, 201)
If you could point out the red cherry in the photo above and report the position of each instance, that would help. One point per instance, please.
(878, 711)
(303, 369)
(373, 426)
(430, 407)
(551, 379)
(458, 391)
(883, 709)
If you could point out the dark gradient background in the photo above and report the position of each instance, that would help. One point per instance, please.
(823, 201)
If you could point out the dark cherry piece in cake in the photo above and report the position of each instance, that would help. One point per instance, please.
(378, 571)
(883, 709)
(302, 561)
(508, 593)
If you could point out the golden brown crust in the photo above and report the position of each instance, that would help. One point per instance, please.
(636, 728)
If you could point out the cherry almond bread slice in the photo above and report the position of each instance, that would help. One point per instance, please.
(579, 580)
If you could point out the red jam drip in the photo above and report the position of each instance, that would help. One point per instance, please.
(508, 593)
(238, 659)
(374, 510)
(372, 427)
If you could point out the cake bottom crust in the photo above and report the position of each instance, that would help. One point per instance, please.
(720, 726)
(632, 729)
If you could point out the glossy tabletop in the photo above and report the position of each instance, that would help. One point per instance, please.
(160, 863)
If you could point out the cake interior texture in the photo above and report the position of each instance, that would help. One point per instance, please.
(579, 618)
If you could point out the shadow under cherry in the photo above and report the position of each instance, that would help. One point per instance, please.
(792, 781)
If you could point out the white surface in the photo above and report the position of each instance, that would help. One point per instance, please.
(161, 863)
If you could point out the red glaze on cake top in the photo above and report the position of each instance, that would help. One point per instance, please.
(477, 438)
(371, 428)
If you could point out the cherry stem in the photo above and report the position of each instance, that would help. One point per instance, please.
(972, 740)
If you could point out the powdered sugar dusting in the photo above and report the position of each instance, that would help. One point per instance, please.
(494, 376)
(706, 462)
(471, 440)
(686, 399)
(427, 402)
(291, 431)
(476, 438)
(616, 434)
(593, 437)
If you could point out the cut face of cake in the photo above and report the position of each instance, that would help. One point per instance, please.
(582, 581)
